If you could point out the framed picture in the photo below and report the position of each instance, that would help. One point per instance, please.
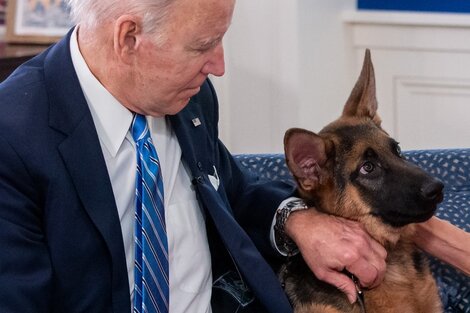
(36, 21)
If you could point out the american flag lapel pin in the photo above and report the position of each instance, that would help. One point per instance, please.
(196, 122)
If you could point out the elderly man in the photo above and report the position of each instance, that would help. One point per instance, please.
(116, 194)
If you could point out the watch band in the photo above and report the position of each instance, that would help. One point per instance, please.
(283, 242)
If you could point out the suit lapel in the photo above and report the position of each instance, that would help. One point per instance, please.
(197, 149)
(83, 158)
(192, 139)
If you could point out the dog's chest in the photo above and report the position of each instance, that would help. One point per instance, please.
(408, 286)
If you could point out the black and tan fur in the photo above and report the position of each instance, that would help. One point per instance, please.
(353, 169)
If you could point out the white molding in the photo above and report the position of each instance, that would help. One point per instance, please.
(430, 112)
(409, 31)
(449, 86)
(406, 18)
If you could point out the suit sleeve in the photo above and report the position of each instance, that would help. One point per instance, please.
(25, 269)
(254, 202)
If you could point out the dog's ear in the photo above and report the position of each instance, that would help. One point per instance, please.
(363, 102)
(305, 155)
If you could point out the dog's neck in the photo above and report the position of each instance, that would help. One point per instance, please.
(391, 236)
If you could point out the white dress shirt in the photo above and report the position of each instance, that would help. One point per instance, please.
(189, 256)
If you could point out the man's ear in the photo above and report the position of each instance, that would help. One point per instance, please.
(305, 156)
(127, 37)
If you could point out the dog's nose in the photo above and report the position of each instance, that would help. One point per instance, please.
(432, 191)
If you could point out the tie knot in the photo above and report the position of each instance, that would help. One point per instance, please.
(139, 128)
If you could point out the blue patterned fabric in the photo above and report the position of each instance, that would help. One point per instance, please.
(452, 166)
(151, 292)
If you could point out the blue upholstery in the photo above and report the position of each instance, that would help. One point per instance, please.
(452, 166)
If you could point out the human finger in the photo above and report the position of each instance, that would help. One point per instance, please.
(342, 282)
(366, 273)
(367, 259)
(377, 260)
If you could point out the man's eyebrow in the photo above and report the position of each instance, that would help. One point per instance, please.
(208, 41)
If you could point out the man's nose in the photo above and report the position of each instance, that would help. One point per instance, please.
(216, 63)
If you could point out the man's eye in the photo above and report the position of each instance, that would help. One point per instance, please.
(207, 46)
(367, 168)
(203, 49)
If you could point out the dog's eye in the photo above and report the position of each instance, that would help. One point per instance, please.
(367, 168)
(398, 150)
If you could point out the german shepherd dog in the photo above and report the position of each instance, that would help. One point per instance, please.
(353, 169)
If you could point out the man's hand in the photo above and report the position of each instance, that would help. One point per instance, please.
(331, 244)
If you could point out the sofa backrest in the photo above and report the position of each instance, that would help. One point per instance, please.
(452, 166)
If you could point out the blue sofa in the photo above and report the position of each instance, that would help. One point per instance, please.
(452, 166)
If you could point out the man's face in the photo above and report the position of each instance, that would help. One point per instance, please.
(167, 75)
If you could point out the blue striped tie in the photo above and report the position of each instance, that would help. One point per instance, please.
(151, 291)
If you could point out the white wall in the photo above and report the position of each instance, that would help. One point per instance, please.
(286, 66)
(292, 63)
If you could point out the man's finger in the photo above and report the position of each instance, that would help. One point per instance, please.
(343, 283)
(379, 249)
(377, 260)
(365, 272)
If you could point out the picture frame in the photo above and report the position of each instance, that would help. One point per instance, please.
(36, 21)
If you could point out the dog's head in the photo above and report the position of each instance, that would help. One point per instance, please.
(354, 169)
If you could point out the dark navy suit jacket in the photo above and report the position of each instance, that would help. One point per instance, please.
(60, 236)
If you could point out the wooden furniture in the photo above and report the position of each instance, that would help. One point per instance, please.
(11, 56)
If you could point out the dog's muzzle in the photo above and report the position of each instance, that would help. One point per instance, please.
(432, 191)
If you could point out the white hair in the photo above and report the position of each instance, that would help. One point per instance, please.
(92, 13)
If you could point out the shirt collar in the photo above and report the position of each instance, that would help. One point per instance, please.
(112, 119)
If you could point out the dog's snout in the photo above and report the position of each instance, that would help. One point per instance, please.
(432, 191)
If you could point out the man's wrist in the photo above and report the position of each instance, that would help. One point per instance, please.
(282, 241)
